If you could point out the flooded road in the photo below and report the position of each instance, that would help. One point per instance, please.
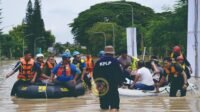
(89, 102)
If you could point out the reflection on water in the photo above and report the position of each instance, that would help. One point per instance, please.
(90, 103)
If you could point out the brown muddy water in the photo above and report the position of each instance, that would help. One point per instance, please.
(89, 102)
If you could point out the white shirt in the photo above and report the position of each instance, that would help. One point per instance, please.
(145, 76)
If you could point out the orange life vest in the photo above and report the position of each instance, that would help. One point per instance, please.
(171, 70)
(25, 71)
(63, 68)
(89, 64)
(49, 65)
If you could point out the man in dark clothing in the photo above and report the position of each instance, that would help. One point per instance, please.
(176, 77)
(108, 69)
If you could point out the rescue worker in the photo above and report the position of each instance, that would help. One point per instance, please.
(134, 63)
(41, 77)
(89, 71)
(176, 77)
(180, 60)
(108, 69)
(176, 53)
(80, 63)
(101, 54)
(49, 65)
(27, 71)
(66, 73)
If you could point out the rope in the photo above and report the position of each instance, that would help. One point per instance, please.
(46, 89)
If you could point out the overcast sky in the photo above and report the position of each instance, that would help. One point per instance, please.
(57, 14)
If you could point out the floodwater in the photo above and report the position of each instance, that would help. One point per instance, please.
(89, 102)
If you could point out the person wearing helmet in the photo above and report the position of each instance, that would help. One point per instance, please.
(80, 63)
(180, 60)
(67, 50)
(176, 77)
(101, 54)
(40, 60)
(66, 73)
(176, 53)
(108, 75)
(41, 77)
(27, 68)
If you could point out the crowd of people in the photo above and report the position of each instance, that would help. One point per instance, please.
(174, 70)
(68, 72)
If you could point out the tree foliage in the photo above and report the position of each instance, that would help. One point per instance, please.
(31, 32)
(168, 29)
(120, 15)
(156, 31)
(35, 33)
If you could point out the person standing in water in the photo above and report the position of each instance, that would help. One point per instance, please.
(107, 70)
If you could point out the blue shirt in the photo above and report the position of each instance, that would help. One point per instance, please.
(63, 77)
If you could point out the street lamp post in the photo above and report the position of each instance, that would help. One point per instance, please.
(113, 30)
(103, 35)
(127, 4)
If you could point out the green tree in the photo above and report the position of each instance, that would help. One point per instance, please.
(168, 29)
(16, 41)
(97, 40)
(28, 30)
(50, 39)
(38, 26)
(34, 27)
(118, 14)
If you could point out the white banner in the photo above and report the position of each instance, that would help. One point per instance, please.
(131, 41)
(193, 36)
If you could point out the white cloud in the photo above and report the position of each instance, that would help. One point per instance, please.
(57, 14)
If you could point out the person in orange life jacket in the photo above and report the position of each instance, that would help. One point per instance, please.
(49, 65)
(27, 71)
(66, 73)
(108, 69)
(89, 71)
(80, 63)
(176, 76)
(40, 61)
(177, 52)
(89, 65)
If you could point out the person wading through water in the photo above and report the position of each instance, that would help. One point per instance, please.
(108, 70)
